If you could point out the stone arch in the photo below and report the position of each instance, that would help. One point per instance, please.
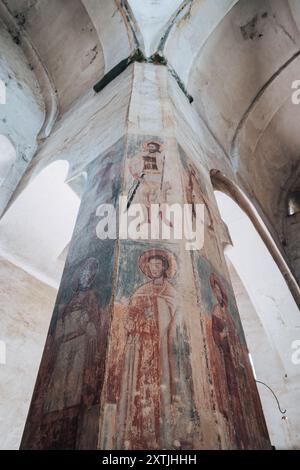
(222, 183)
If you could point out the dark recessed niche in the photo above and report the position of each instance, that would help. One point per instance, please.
(293, 203)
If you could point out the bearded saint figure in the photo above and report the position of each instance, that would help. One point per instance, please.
(147, 169)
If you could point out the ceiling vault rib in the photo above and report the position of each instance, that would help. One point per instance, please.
(172, 21)
(44, 79)
(132, 23)
(255, 100)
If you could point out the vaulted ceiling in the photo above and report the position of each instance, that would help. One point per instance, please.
(66, 42)
(237, 58)
(241, 81)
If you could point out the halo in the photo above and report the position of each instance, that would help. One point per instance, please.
(214, 280)
(144, 259)
(147, 142)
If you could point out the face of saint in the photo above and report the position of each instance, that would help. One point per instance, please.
(152, 148)
(219, 295)
(156, 268)
(86, 277)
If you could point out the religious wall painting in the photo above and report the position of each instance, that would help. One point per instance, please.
(195, 187)
(151, 382)
(148, 177)
(147, 170)
(234, 386)
(76, 344)
(81, 249)
(103, 186)
(196, 191)
(72, 370)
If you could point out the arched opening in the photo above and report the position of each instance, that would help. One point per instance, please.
(222, 183)
(39, 224)
(269, 315)
(7, 157)
(35, 232)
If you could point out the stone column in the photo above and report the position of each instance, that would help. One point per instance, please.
(145, 348)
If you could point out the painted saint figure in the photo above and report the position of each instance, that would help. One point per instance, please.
(149, 186)
(148, 162)
(147, 169)
(155, 395)
(231, 372)
(70, 388)
(74, 379)
(194, 195)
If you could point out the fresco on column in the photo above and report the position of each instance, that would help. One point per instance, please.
(178, 370)
(198, 190)
(234, 388)
(146, 325)
(150, 173)
(151, 400)
(64, 412)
